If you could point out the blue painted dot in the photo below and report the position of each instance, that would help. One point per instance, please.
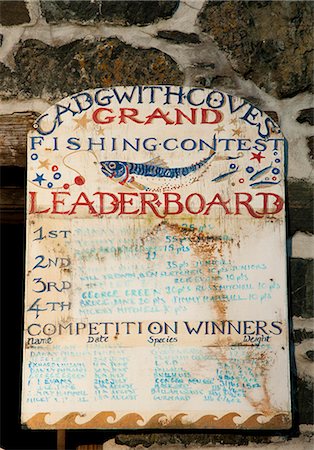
(34, 156)
(50, 185)
(275, 171)
(57, 176)
(277, 160)
(232, 166)
(275, 153)
(250, 169)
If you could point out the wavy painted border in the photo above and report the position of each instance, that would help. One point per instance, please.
(161, 421)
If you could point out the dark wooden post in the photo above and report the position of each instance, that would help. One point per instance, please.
(61, 440)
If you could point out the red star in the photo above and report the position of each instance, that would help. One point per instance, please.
(257, 156)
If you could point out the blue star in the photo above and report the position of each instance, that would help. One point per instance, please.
(39, 178)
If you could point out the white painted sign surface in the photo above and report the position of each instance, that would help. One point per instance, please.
(156, 267)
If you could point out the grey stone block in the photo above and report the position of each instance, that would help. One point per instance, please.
(52, 73)
(116, 12)
(306, 116)
(310, 144)
(267, 42)
(305, 396)
(128, 12)
(300, 206)
(13, 13)
(178, 37)
(302, 279)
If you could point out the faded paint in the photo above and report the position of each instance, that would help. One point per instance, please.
(156, 266)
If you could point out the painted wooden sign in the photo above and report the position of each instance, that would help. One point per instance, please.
(156, 268)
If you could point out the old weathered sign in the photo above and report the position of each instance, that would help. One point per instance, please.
(156, 268)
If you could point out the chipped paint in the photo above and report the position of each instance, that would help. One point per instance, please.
(152, 297)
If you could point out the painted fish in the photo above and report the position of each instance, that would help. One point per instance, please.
(122, 170)
(225, 175)
(261, 172)
(264, 183)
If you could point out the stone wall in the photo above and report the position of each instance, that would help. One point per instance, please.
(261, 51)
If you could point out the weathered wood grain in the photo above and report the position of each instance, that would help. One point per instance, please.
(61, 439)
(13, 137)
(12, 205)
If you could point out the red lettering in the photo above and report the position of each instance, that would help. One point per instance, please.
(217, 119)
(56, 202)
(172, 203)
(278, 203)
(159, 114)
(86, 202)
(145, 201)
(114, 202)
(123, 202)
(217, 200)
(107, 119)
(129, 113)
(180, 114)
(33, 205)
(189, 199)
(246, 204)
(175, 200)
